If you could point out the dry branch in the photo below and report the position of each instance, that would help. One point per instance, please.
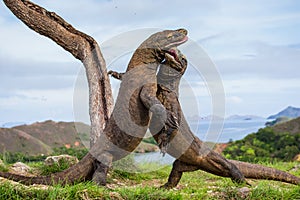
(82, 47)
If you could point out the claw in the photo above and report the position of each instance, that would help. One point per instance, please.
(115, 74)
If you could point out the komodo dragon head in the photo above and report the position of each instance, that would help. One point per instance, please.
(153, 49)
(162, 42)
(167, 39)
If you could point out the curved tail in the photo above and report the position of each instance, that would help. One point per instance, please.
(80, 171)
(256, 171)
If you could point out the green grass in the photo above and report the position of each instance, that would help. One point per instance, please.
(124, 185)
(3, 168)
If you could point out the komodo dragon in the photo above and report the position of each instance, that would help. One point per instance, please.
(196, 156)
(130, 118)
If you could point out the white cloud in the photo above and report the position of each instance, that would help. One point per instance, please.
(251, 43)
(32, 105)
(234, 99)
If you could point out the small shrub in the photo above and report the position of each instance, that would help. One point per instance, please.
(77, 152)
(150, 140)
(3, 168)
(56, 167)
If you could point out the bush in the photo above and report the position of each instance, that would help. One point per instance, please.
(56, 167)
(265, 145)
(9, 157)
(150, 140)
(77, 152)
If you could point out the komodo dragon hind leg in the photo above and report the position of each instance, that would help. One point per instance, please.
(218, 165)
(213, 163)
(178, 168)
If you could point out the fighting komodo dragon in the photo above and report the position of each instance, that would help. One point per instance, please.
(190, 151)
(130, 118)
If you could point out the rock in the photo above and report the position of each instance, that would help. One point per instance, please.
(146, 147)
(115, 195)
(295, 168)
(20, 168)
(297, 158)
(244, 192)
(52, 160)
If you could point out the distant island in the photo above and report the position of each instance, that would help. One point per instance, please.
(244, 117)
(290, 112)
(231, 117)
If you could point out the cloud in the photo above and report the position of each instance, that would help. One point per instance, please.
(234, 99)
(254, 45)
(33, 105)
(265, 61)
(21, 74)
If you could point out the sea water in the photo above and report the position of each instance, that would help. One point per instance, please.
(232, 130)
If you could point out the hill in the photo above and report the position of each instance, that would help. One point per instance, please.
(14, 140)
(42, 137)
(291, 126)
(290, 112)
(58, 134)
(279, 142)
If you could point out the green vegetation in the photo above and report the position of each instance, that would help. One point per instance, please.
(3, 168)
(126, 163)
(194, 185)
(278, 121)
(77, 152)
(265, 145)
(56, 167)
(9, 157)
(150, 140)
(126, 185)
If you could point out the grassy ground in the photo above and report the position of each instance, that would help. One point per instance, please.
(122, 185)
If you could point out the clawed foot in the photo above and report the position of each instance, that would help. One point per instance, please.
(166, 186)
(165, 134)
(242, 182)
(115, 74)
(100, 173)
(239, 179)
(99, 178)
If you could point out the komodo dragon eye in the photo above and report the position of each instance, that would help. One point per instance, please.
(170, 35)
(174, 35)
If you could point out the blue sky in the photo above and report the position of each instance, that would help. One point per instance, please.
(255, 46)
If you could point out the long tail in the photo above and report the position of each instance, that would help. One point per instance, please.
(80, 171)
(256, 171)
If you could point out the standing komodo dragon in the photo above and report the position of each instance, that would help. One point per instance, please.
(190, 151)
(130, 118)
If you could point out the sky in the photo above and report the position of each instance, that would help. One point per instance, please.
(254, 45)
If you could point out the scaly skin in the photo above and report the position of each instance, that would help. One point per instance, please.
(197, 156)
(190, 151)
(130, 118)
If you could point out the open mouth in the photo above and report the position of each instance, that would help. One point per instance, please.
(174, 54)
(177, 43)
(173, 58)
